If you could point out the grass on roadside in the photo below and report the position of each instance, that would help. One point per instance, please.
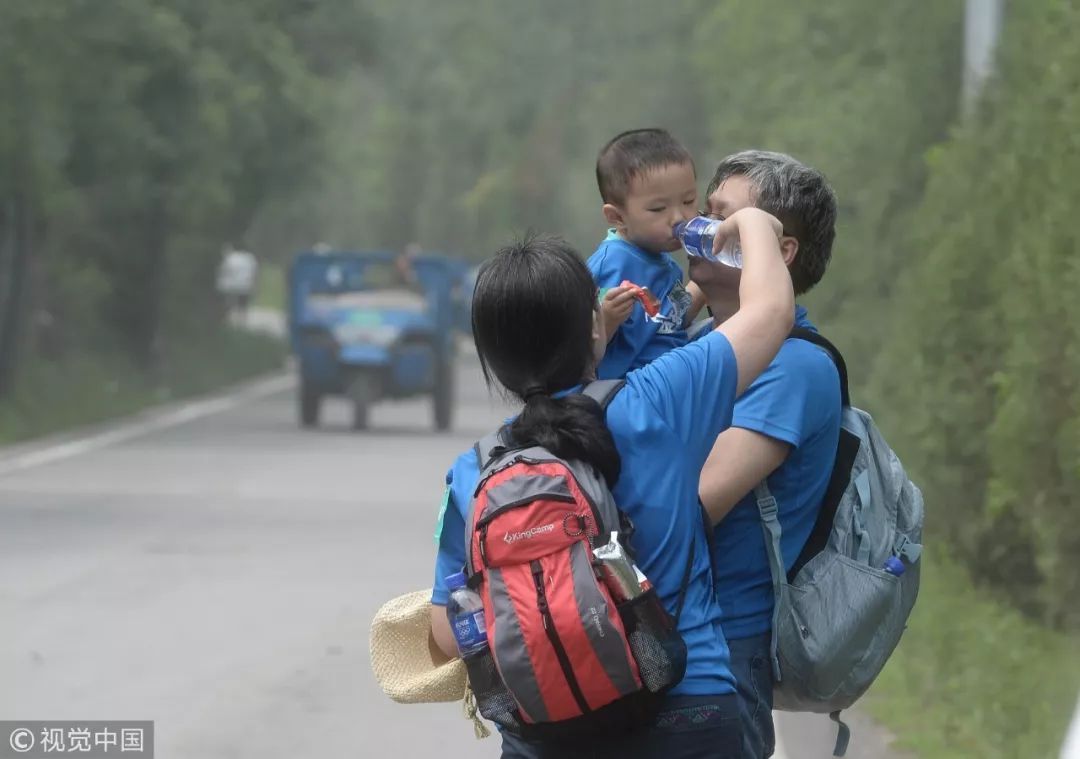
(54, 396)
(270, 292)
(973, 678)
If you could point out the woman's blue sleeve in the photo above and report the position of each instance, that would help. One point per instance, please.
(450, 532)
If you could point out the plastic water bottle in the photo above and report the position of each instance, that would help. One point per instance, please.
(697, 236)
(465, 610)
(894, 565)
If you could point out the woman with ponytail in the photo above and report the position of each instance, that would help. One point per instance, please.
(539, 335)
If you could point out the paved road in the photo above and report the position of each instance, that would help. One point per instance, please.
(216, 570)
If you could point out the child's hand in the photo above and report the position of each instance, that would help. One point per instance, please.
(616, 307)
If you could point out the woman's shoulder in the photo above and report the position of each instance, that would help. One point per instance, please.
(465, 471)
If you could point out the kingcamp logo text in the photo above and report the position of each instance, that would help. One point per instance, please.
(532, 532)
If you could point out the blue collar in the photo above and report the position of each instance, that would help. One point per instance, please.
(568, 391)
(560, 394)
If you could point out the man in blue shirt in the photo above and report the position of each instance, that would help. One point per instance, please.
(785, 427)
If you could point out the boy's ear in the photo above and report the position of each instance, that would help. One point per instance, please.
(789, 248)
(613, 216)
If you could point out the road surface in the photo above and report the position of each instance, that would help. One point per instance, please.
(214, 568)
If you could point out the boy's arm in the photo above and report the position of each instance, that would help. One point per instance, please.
(739, 460)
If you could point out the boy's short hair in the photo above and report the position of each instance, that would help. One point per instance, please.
(632, 154)
(799, 196)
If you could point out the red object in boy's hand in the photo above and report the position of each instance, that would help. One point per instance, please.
(648, 300)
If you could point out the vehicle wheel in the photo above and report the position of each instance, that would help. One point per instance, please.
(309, 406)
(360, 393)
(443, 396)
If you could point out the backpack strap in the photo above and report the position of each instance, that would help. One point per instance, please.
(602, 391)
(486, 447)
(810, 336)
(766, 503)
(770, 525)
(843, 734)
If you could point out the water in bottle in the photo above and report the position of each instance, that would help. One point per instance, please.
(697, 236)
(465, 610)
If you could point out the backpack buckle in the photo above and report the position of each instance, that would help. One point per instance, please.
(767, 507)
(907, 549)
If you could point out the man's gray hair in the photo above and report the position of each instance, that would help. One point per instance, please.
(799, 196)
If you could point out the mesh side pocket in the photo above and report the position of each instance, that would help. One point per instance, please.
(658, 649)
(493, 700)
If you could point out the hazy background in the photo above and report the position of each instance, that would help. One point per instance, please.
(139, 136)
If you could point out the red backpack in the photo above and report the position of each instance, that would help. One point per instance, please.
(564, 659)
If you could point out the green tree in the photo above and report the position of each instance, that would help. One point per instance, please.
(983, 370)
(145, 135)
(860, 90)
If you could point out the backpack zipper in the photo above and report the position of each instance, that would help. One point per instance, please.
(550, 496)
(483, 544)
(553, 497)
(553, 636)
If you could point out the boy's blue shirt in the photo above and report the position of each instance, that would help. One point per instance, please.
(641, 339)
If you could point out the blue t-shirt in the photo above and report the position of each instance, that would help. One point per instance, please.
(641, 338)
(664, 422)
(795, 400)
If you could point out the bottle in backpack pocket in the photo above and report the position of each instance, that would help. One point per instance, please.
(621, 575)
(465, 611)
(894, 565)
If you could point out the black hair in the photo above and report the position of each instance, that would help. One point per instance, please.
(632, 154)
(532, 319)
(799, 196)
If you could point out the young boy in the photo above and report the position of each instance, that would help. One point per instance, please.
(648, 184)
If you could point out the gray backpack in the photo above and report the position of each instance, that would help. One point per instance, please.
(839, 613)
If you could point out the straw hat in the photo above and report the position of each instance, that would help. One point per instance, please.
(407, 663)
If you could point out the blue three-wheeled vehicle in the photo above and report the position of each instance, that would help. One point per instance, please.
(368, 326)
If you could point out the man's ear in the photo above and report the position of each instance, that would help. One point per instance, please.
(789, 248)
(613, 216)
